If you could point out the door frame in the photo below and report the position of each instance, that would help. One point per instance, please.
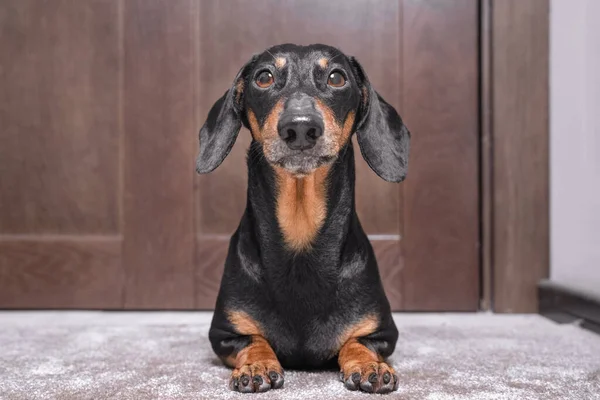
(514, 107)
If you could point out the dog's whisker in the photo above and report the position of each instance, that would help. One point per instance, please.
(332, 58)
(274, 58)
(253, 155)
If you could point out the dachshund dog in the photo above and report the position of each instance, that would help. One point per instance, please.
(301, 286)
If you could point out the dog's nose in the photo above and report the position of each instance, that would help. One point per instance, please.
(300, 125)
(301, 132)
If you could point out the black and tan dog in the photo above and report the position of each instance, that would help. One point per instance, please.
(301, 288)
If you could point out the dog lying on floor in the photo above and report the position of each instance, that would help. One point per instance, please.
(301, 287)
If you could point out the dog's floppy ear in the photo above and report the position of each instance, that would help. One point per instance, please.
(223, 124)
(383, 139)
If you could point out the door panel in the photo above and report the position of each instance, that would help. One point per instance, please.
(60, 242)
(59, 119)
(158, 154)
(99, 202)
(61, 272)
(441, 203)
(422, 57)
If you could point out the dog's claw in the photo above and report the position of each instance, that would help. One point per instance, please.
(234, 383)
(386, 378)
(350, 384)
(276, 380)
(245, 380)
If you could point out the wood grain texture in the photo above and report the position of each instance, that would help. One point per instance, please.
(441, 205)
(391, 261)
(58, 117)
(486, 154)
(46, 272)
(211, 253)
(520, 134)
(158, 248)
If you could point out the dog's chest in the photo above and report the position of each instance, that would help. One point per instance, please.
(305, 342)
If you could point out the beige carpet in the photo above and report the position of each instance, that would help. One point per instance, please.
(93, 355)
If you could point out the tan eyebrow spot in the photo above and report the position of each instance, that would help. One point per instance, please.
(323, 62)
(280, 62)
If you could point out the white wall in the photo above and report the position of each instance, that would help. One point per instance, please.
(575, 143)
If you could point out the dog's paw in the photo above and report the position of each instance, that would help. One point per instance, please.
(257, 377)
(371, 377)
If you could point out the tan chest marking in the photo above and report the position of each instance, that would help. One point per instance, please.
(301, 206)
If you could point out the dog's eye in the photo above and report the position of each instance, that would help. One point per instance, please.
(336, 79)
(264, 79)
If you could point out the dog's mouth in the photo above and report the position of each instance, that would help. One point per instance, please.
(301, 164)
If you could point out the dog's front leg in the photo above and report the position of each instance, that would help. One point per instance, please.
(364, 369)
(240, 343)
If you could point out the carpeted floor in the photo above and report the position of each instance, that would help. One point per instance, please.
(94, 355)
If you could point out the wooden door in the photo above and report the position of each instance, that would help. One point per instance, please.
(99, 204)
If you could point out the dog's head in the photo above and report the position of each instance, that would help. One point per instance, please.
(302, 103)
